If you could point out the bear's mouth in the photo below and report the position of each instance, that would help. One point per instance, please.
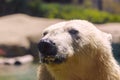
(52, 59)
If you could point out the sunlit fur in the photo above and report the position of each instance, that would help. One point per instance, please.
(90, 58)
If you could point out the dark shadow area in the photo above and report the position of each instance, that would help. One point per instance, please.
(17, 63)
(17, 51)
(13, 6)
(116, 51)
(33, 50)
(13, 51)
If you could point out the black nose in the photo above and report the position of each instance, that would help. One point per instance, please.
(47, 47)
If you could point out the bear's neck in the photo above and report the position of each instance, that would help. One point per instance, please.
(103, 67)
(106, 67)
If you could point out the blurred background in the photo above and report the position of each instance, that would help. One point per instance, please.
(22, 21)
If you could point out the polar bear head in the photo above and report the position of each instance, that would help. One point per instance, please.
(76, 38)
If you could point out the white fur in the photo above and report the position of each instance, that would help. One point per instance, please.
(92, 60)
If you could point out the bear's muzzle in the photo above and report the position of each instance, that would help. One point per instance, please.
(47, 47)
(48, 52)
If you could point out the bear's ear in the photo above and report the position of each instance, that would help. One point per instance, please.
(108, 36)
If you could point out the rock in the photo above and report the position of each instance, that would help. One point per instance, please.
(16, 60)
(19, 29)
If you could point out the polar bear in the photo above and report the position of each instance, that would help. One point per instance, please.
(76, 50)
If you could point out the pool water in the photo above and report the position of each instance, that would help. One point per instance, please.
(21, 72)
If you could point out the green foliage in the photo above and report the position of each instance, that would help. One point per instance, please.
(75, 12)
(63, 11)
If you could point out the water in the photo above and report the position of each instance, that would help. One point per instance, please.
(23, 72)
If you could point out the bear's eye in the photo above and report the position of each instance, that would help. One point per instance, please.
(73, 31)
(74, 34)
(45, 33)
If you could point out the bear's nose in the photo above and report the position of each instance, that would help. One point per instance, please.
(47, 47)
